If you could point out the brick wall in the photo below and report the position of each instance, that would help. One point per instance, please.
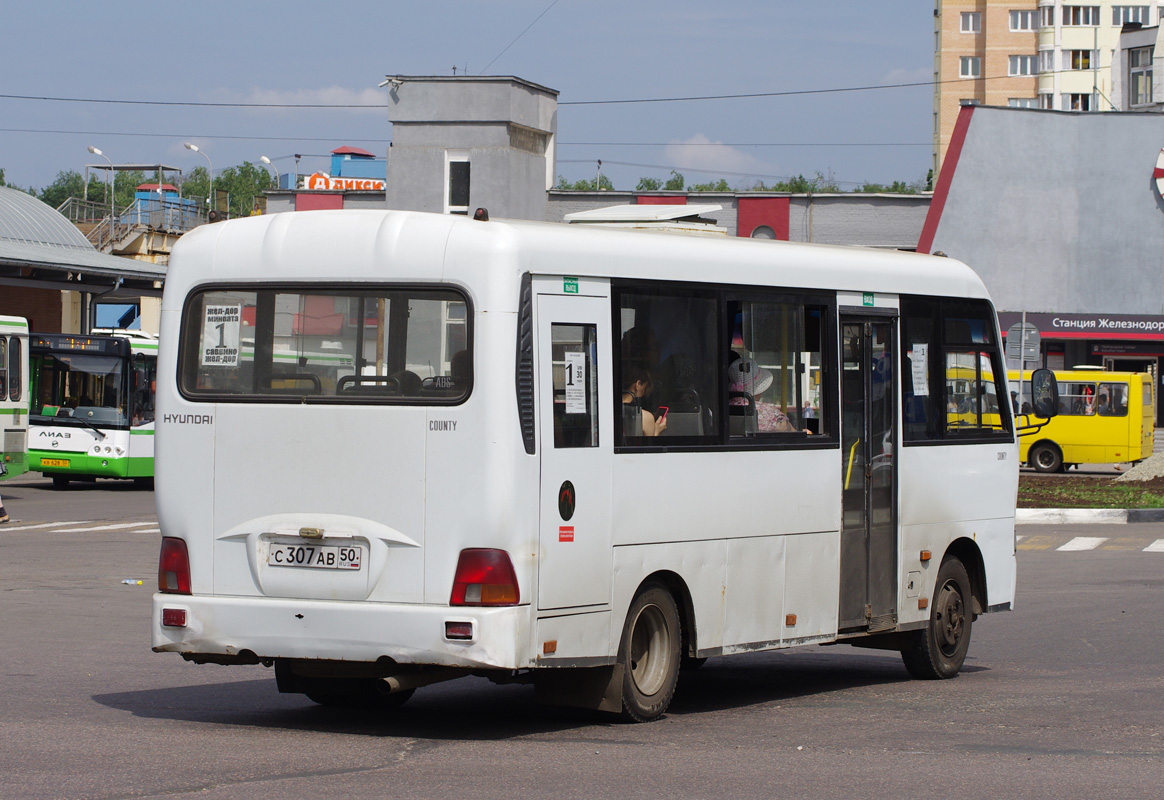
(41, 307)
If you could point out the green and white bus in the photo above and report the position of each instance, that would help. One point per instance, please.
(92, 409)
(13, 396)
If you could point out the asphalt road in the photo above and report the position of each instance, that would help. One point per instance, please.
(1061, 698)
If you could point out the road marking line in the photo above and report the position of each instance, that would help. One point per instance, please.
(1018, 539)
(118, 526)
(1155, 547)
(1123, 543)
(1041, 542)
(1083, 543)
(43, 525)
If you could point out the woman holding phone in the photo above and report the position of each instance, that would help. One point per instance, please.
(639, 384)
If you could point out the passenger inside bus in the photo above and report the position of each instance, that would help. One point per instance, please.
(747, 383)
(637, 420)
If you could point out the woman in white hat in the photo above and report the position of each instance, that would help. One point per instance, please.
(746, 376)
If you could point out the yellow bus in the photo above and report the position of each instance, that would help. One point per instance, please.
(1104, 417)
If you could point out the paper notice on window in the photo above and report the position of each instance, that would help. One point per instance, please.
(920, 360)
(220, 336)
(575, 383)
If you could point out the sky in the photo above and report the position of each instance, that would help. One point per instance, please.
(138, 79)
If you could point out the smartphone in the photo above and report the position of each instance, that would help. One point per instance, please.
(663, 411)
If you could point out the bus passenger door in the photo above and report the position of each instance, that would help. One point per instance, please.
(868, 476)
(574, 411)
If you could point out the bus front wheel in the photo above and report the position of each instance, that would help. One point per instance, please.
(1046, 458)
(649, 654)
(938, 651)
(60, 481)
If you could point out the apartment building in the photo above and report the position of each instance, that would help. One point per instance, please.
(1049, 54)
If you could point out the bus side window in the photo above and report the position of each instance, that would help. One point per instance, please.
(668, 367)
(575, 385)
(1112, 400)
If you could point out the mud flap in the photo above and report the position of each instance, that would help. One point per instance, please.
(596, 688)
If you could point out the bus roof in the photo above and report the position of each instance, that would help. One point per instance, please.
(13, 325)
(367, 245)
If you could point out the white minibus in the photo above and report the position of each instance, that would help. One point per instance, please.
(570, 456)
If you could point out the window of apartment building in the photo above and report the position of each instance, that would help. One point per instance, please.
(1083, 59)
(1076, 16)
(1077, 102)
(971, 22)
(969, 101)
(1123, 14)
(1023, 102)
(1046, 101)
(1046, 61)
(1023, 20)
(1022, 65)
(1047, 16)
(971, 67)
(457, 171)
(1140, 76)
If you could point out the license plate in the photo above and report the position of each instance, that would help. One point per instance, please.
(54, 462)
(315, 556)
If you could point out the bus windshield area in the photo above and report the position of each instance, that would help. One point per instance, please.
(87, 387)
(407, 345)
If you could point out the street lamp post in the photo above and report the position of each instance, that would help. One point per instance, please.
(267, 161)
(194, 147)
(97, 152)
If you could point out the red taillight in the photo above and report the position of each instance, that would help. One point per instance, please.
(484, 578)
(174, 567)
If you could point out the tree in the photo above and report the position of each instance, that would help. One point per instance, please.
(720, 186)
(2, 183)
(242, 184)
(675, 183)
(644, 184)
(584, 185)
(69, 183)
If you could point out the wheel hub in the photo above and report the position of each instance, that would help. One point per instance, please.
(950, 620)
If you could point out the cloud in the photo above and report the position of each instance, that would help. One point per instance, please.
(919, 75)
(713, 157)
(376, 98)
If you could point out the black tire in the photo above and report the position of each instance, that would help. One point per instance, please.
(1046, 457)
(938, 651)
(60, 481)
(649, 653)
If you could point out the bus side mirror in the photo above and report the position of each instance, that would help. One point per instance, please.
(1044, 393)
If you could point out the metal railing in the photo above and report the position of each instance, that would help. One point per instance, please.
(105, 231)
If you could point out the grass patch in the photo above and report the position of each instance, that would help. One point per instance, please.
(1075, 491)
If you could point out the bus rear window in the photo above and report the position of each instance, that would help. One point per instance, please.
(405, 345)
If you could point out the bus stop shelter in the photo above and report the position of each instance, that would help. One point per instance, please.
(41, 249)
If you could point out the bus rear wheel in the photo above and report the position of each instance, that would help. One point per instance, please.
(938, 651)
(1046, 458)
(649, 654)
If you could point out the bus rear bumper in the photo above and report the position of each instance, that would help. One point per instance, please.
(250, 630)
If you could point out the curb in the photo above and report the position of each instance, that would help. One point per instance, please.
(1086, 516)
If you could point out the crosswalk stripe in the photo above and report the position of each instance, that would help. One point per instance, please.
(1155, 547)
(43, 525)
(1083, 543)
(118, 526)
